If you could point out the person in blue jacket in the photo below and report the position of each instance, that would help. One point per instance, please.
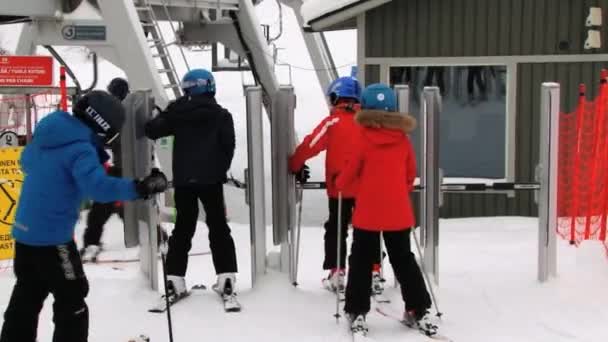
(63, 167)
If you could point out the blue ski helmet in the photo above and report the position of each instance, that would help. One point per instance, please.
(379, 97)
(198, 81)
(344, 88)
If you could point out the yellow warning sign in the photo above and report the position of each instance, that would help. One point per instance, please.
(11, 179)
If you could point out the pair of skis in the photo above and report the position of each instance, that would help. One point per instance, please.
(361, 336)
(229, 300)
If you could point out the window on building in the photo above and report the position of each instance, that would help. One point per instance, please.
(473, 124)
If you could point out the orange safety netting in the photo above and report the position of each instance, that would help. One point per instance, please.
(582, 203)
(14, 110)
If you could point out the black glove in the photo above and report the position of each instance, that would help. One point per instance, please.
(154, 183)
(303, 174)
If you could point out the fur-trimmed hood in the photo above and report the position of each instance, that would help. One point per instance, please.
(385, 128)
(389, 120)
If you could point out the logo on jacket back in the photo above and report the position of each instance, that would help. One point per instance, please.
(100, 121)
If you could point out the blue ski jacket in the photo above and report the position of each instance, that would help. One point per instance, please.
(62, 166)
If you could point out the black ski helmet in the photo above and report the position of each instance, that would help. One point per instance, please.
(119, 87)
(102, 112)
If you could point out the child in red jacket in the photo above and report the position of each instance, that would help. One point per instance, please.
(383, 162)
(334, 134)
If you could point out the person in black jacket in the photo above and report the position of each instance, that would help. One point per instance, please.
(100, 213)
(203, 149)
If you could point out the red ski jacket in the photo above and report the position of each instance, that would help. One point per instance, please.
(334, 134)
(383, 163)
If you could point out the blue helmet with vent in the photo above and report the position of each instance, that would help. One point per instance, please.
(198, 81)
(344, 88)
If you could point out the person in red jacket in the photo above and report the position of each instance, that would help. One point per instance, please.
(383, 163)
(334, 135)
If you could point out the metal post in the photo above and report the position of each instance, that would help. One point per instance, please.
(283, 183)
(290, 145)
(403, 103)
(439, 184)
(338, 254)
(431, 112)
(296, 247)
(28, 118)
(403, 97)
(423, 170)
(255, 181)
(547, 203)
(141, 217)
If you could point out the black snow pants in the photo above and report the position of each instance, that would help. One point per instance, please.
(407, 271)
(96, 219)
(220, 240)
(331, 234)
(39, 272)
(99, 215)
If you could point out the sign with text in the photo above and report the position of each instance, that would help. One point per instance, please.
(26, 71)
(8, 139)
(84, 32)
(11, 179)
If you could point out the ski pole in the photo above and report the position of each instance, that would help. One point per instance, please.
(299, 233)
(338, 255)
(381, 257)
(164, 263)
(163, 255)
(426, 276)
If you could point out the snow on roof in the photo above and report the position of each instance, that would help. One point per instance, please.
(314, 9)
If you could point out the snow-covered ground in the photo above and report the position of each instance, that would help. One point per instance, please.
(487, 292)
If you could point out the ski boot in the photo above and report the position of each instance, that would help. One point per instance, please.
(176, 288)
(421, 321)
(377, 283)
(225, 288)
(90, 253)
(176, 291)
(358, 325)
(378, 288)
(335, 281)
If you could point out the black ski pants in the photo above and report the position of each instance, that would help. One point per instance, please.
(100, 214)
(40, 271)
(407, 271)
(96, 219)
(331, 234)
(221, 243)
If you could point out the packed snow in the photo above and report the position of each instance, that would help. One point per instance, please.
(487, 292)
